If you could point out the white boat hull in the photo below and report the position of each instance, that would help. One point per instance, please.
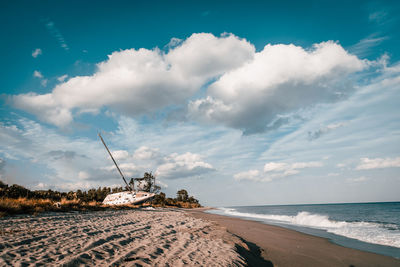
(125, 198)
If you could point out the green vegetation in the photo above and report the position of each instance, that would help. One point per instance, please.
(182, 200)
(16, 199)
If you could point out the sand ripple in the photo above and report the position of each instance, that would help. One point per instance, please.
(119, 238)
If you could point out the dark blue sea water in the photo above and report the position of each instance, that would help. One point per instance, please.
(373, 227)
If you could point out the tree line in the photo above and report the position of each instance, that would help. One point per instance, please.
(17, 191)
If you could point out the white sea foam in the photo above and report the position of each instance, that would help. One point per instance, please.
(369, 232)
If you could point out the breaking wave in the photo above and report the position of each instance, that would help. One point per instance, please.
(370, 232)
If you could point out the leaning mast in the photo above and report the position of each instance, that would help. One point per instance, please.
(116, 165)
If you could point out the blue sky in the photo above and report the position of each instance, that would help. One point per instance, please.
(276, 102)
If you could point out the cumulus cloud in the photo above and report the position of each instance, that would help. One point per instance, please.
(141, 81)
(183, 165)
(146, 153)
(55, 159)
(273, 170)
(246, 90)
(65, 161)
(36, 52)
(37, 74)
(378, 163)
(279, 79)
(43, 82)
(253, 175)
(62, 78)
(120, 154)
(128, 169)
(83, 175)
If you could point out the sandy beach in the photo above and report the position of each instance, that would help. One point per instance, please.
(165, 237)
(284, 247)
(119, 238)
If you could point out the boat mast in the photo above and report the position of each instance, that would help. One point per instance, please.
(116, 165)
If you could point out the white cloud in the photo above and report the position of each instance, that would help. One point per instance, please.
(280, 79)
(357, 179)
(62, 78)
(341, 165)
(57, 159)
(378, 163)
(146, 153)
(141, 81)
(183, 165)
(57, 34)
(36, 52)
(253, 175)
(43, 82)
(363, 47)
(312, 135)
(379, 16)
(128, 169)
(41, 186)
(274, 170)
(204, 55)
(120, 154)
(44, 107)
(275, 166)
(83, 175)
(2, 165)
(333, 174)
(161, 183)
(37, 74)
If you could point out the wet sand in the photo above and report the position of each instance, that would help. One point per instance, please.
(283, 247)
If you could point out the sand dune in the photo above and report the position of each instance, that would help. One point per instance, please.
(127, 238)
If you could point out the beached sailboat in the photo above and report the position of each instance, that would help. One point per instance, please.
(131, 196)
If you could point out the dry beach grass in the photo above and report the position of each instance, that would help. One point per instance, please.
(12, 206)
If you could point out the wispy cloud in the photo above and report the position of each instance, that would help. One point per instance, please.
(205, 13)
(379, 16)
(57, 34)
(36, 52)
(378, 163)
(357, 179)
(312, 135)
(364, 46)
(273, 170)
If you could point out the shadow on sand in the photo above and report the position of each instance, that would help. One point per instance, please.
(252, 256)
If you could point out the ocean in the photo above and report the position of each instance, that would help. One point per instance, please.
(373, 227)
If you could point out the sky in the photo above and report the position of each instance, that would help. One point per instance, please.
(239, 102)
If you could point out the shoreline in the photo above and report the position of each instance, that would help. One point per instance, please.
(285, 247)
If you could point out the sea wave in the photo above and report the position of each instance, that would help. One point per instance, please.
(370, 232)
